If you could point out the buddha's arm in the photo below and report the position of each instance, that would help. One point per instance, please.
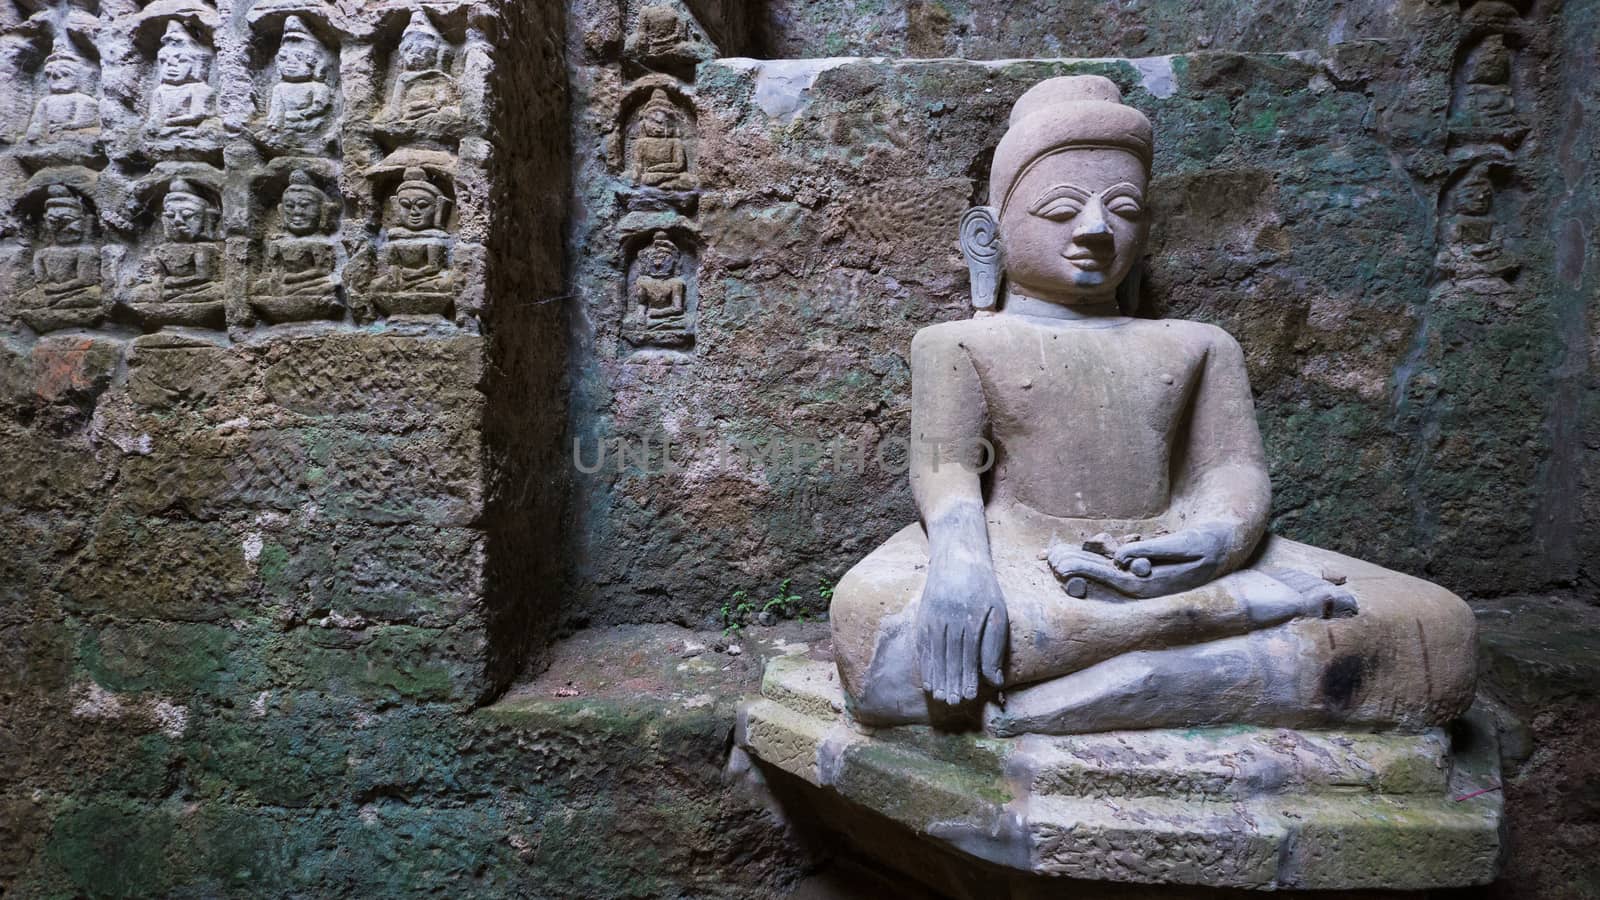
(1222, 484)
(961, 621)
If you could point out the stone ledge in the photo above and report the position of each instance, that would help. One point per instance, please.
(1265, 809)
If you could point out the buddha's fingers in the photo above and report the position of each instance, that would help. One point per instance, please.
(953, 664)
(930, 664)
(1171, 548)
(969, 663)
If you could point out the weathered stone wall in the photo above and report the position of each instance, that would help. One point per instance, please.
(1394, 219)
(278, 493)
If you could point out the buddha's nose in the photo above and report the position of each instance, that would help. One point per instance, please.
(1090, 228)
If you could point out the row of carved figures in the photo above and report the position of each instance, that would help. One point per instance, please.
(424, 102)
(298, 275)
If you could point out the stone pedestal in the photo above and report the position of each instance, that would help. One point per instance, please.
(1254, 808)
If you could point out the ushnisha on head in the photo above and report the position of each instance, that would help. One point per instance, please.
(661, 259)
(1068, 192)
(660, 116)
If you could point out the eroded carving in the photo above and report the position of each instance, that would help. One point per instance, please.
(66, 120)
(299, 278)
(415, 277)
(425, 101)
(302, 101)
(66, 290)
(664, 39)
(659, 155)
(658, 296)
(187, 261)
(183, 107)
(1472, 254)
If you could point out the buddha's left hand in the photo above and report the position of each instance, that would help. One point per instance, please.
(1179, 562)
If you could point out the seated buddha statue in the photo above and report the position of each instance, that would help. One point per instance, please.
(1093, 493)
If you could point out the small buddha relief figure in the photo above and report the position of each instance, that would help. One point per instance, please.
(663, 39)
(299, 278)
(70, 109)
(659, 292)
(425, 97)
(660, 156)
(1093, 553)
(414, 250)
(188, 262)
(302, 100)
(183, 106)
(66, 290)
(1472, 254)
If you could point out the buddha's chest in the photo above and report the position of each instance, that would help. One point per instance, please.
(1084, 391)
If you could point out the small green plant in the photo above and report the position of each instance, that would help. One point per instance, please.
(735, 611)
(785, 604)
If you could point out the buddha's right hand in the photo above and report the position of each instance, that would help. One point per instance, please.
(961, 632)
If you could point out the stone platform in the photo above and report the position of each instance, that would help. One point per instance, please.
(1251, 808)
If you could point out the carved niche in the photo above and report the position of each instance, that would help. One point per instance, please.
(659, 144)
(301, 105)
(661, 293)
(414, 249)
(182, 117)
(665, 39)
(184, 264)
(65, 128)
(298, 276)
(1472, 254)
(66, 269)
(424, 98)
(1483, 105)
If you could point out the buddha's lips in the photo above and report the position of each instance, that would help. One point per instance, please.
(1089, 263)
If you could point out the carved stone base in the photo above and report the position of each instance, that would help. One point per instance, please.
(198, 314)
(297, 309)
(1268, 809)
(57, 318)
(400, 304)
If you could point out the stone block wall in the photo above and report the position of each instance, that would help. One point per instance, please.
(281, 364)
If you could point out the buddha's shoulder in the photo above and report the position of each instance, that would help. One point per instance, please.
(959, 333)
(1202, 335)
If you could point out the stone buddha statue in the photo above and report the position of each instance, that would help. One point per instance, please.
(188, 261)
(415, 249)
(423, 88)
(70, 108)
(1092, 552)
(300, 263)
(302, 100)
(660, 158)
(183, 102)
(66, 289)
(658, 292)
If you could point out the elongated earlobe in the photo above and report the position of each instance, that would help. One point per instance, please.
(980, 244)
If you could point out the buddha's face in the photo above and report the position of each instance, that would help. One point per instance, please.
(658, 124)
(64, 225)
(65, 77)
(416, 209)
(661, 261)
(1475, 195)
(302, 211)
(421, 52)
(185, 219)
(298, 62)
(182, 64)
(1074, 225)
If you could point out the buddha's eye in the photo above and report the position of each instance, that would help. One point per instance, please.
(1060, 203)
(1126, 207)
(1059, 210)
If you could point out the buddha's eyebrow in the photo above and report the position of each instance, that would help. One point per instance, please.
(1059, 192)
(1123, 189)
